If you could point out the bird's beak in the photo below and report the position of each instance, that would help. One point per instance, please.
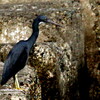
(50, 21)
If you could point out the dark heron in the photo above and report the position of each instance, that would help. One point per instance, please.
(17, 57)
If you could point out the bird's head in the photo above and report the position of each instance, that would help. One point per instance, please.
(45, 19)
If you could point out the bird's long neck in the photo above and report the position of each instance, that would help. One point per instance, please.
(35, 33)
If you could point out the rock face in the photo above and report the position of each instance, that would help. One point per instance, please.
(53, 62)
(9, 94)
(91, 12)
(29, 82)
(65, 60)
(22, 1)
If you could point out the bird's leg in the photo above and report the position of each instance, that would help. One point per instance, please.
(16, 82)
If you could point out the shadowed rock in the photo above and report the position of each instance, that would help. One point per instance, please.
(63, 74)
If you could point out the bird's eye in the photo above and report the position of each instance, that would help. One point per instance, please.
(45, 19)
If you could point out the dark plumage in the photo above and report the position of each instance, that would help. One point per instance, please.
(18, 56)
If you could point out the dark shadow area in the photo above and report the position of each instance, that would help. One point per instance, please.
(84, 81)
(50, 90)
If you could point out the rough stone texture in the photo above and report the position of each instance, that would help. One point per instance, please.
(53, 64)
(23, 1)
(52, 61)
(91, 19)
(29, 82)
(59, 71)
(11, 94)
(58, 77)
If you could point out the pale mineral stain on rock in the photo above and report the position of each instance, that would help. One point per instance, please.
(12, 32)
(15, 25)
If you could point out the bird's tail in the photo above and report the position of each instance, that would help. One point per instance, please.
(0, 84)
(3, 81)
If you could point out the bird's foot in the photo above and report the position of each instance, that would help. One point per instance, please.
(21, 89)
